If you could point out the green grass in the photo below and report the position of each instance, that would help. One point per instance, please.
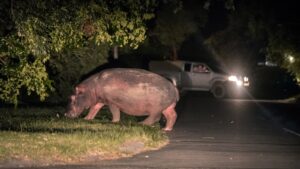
(44, 136)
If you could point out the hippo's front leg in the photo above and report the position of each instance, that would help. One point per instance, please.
(115, 113)
(93, 111)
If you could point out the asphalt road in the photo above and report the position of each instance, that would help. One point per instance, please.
(214, 133)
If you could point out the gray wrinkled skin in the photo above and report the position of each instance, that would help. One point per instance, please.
(136, 92)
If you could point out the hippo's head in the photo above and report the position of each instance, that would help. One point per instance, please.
(78, 102)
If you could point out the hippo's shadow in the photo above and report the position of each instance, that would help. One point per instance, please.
(66, 130)
(16, 124)
(49, 130)
(48, 121)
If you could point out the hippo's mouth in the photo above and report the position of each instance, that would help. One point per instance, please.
(71, 114)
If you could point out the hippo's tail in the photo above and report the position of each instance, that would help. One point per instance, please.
(177, 94)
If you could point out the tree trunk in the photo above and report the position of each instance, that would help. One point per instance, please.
(12, 9)
(174, 53)
(115, 52)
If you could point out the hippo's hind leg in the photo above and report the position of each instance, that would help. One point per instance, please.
(151, 119)
(171, 116)
(93, 111)
(115, 113)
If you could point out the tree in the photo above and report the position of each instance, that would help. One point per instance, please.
(173, 25)
(283, 33)
(238, 45)
(44, 29)
(259, 28)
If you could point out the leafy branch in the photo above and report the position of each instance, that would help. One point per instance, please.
(44, 29)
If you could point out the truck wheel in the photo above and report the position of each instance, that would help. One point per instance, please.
(218, 90)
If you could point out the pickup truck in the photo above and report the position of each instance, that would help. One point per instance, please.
(186, 75)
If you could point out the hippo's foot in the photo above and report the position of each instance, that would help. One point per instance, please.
(88, 118)
(115, 121)
(166, 129)
(146, 124)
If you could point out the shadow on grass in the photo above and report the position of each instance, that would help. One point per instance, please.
(50, 130)
(49, 122)
(67, 126)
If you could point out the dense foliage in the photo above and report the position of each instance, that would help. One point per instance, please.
(68, 68)
(258, 29)
(283, 48)
(33, 32)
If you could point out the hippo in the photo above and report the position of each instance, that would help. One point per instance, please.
(136, 92)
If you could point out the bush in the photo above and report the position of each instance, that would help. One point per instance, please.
(67, 69)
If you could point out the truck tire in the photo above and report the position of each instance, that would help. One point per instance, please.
(219, 90)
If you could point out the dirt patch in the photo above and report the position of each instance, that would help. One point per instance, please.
(132, 147)
(127, 149)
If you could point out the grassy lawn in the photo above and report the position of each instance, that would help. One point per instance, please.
(42, 136)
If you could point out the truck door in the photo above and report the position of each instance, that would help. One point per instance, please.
(186, 76)
(201, 76)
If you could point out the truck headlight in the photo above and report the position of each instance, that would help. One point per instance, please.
(246, 81)
(239, 81)
(233, 78)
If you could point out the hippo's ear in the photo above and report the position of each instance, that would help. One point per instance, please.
(79, 89)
